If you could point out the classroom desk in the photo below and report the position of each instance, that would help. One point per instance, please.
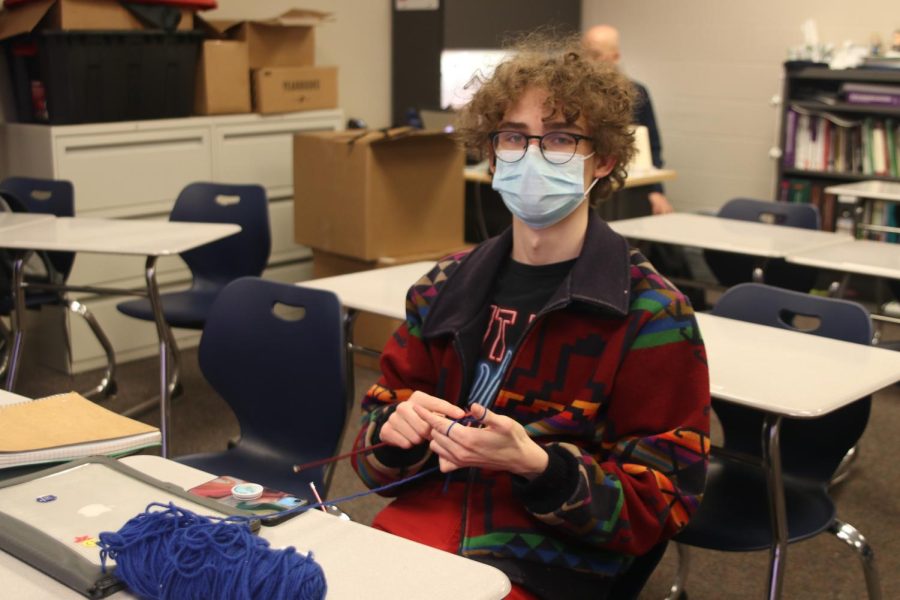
(13, 220)
(728, 235)
(788, 374)
(863, 257)
(379, 291)
(358, 561)
(107, 236)
(873, 188)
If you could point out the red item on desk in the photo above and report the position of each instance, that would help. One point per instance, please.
(195, 4)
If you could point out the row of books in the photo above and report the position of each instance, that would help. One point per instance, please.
(837, 216)
(821, 141)
(805, 191)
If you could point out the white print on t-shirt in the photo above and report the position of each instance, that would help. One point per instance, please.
(487, 380)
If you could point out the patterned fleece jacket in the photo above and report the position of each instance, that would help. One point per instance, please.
(610, 378)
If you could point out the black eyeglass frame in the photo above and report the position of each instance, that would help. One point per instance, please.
(540, 138)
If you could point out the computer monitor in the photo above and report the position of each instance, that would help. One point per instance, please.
(459, 67)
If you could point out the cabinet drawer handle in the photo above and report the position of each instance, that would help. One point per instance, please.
(167, 142)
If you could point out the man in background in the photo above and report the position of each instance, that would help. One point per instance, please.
(602, 43)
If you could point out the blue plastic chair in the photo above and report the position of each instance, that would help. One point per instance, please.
(735, 515)
(55, 197)
(215, 265)
(283, 372)
(731, 269)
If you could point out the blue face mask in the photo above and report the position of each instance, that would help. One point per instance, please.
(538, 192)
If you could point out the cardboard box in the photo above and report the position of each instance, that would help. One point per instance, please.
(223, 78)
(287, 40)
(370, 330)
(369, 194)
(76, 15)
(289, 89)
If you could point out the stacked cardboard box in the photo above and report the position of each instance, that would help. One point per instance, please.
(267, 64)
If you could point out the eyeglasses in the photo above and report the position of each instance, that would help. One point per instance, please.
(557, 147)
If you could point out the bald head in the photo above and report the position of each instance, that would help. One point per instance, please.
(602, 42)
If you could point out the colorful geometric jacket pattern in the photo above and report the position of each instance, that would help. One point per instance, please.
(625, 395)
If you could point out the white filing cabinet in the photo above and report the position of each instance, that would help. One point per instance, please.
(135, 169)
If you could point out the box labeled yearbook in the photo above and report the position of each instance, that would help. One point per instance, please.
(289, 89)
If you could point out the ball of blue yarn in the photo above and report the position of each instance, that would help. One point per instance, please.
(170, 552)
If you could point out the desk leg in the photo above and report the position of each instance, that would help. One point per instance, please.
(349, 320)
(17, 320)
(162, 332)
(772, 459)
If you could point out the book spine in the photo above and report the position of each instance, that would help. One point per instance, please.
(868, 150)
(790, 138)
(873, 99)
(829, 204)
(879, 149)
(890, 133)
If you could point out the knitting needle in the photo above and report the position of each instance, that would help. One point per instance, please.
(315, 492)
(324, 461)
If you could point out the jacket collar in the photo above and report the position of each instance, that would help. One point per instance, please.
(600, 278)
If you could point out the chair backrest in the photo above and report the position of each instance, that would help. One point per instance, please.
(805, 216)
(240, 255)
(731, 269)
(810, 448)
(45, 196)
(276, 353)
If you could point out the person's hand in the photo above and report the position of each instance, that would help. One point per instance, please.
(500, 444)
(405, 428)
(659, 203)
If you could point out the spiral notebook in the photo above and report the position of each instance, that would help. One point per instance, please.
(65, 427)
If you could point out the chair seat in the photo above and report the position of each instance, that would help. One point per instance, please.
(270, 471)
(181, 309)
(736, 494)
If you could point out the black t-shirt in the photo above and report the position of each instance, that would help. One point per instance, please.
(519, 293)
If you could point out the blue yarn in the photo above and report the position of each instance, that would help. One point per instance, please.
(174, 553)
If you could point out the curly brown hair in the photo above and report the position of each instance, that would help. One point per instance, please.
(577, 86)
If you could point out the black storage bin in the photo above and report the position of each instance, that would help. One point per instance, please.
(67, 77)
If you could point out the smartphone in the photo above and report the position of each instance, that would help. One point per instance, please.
(271, 502)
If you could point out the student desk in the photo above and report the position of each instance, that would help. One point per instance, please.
(378, 291)
(874, 188)
(860, 257)
(806, 376)
(358, 561)
(788, 374)
(728, 235)
(107, 236)
(13, 220)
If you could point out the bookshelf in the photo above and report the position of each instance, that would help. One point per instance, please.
(839, 127)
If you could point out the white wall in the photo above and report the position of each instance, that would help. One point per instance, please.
(712, 67)
(357, 41)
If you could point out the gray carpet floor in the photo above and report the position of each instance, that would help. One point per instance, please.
(819, 568)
